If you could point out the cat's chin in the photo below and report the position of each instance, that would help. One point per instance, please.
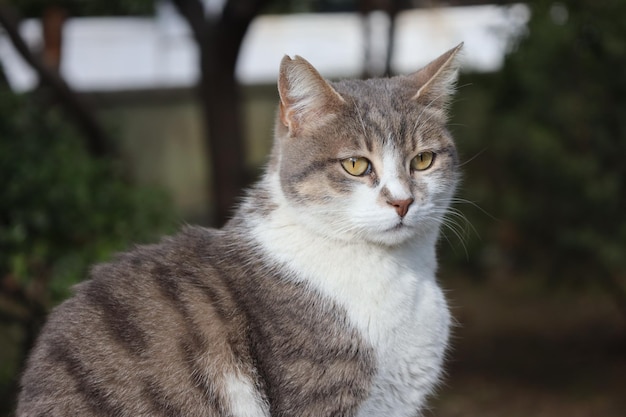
(393, 236)
(389, 236)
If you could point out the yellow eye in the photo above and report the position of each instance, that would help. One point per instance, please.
(356, 166)
(422, 161)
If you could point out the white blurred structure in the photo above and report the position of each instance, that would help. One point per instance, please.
(113, 54)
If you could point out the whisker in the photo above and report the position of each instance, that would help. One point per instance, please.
(473, 157)
(449, 225)
(475, 205)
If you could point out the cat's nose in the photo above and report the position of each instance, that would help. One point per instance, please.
(401, 206)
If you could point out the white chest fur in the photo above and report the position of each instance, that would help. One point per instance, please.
(410, 359)
(390, 296)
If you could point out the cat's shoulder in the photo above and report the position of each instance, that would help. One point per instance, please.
(154, 278)
(189, 245)
(182, 256)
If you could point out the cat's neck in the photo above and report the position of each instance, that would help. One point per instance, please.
(371, 280)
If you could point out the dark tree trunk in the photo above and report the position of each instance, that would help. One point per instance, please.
(4, 82)
(53, 21)
(391, 8)
(219, 39)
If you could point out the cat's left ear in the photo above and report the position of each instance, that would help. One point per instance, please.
(307, 100)
(436, 81)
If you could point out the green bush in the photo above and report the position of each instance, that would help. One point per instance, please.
(60, 211)
(550, 134)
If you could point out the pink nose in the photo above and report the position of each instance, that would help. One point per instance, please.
(401, 206)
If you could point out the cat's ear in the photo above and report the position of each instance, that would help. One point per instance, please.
(436, 81)
(306, 99)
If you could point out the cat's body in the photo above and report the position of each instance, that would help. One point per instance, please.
(318, 298)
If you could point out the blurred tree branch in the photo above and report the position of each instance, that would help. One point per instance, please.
(4, 82)
(93, 134)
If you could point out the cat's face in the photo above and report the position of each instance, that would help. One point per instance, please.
(365, 160)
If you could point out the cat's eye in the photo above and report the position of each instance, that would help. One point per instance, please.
(422, 161)
(356, 166)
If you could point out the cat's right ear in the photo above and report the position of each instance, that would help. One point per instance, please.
(435, 82)
(307, 100)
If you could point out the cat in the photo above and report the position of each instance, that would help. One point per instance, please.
(318, 298)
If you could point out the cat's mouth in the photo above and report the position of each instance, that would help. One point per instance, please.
(395, 234)
(400, 225)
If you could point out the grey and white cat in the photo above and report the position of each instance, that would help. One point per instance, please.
(317, 299)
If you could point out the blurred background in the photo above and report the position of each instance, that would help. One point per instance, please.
(122, 120)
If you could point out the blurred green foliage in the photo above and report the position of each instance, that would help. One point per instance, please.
(548, 134)
(60, 211)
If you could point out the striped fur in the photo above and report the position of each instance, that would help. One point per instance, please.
(318, 298)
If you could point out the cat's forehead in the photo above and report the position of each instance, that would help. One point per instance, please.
(384, 112)
(374, 90)
(387, 101)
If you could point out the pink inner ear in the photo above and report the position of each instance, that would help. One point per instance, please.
(288, 118)
(307, 101)
(283, 114)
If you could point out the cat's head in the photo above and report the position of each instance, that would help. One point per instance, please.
(367, 160)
